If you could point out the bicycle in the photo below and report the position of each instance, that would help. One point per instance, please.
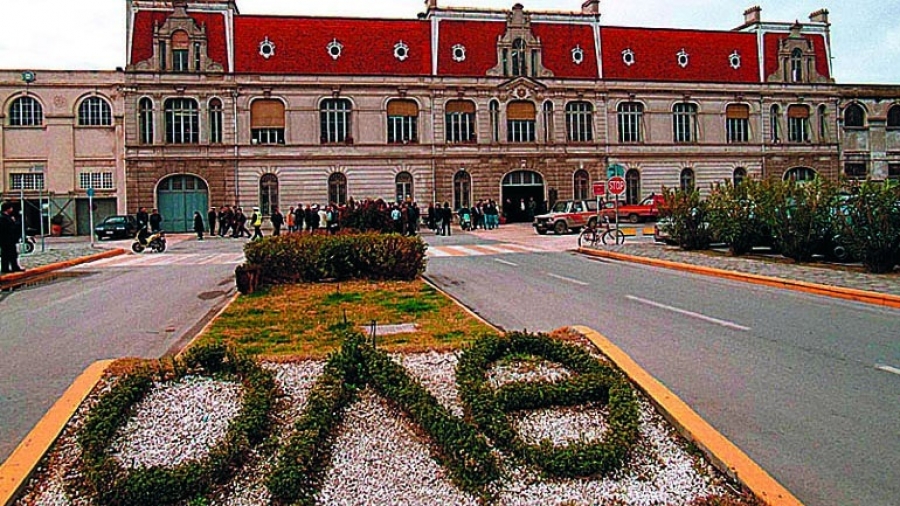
(604, 233)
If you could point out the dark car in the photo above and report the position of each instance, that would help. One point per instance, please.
(120, 226)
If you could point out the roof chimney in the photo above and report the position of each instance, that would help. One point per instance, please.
(820, 16)
(753, 15)
(590, 7)
(430, 5)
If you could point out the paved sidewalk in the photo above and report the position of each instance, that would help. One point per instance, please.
(847, 276)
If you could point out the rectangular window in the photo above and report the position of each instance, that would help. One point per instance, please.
(215, 126)
(335, 123)
(96, 180)
(684, 122)
(520, 130)
(855, 170)
(402, 129)
(738, 130)
(460, 127)
(579, 124)
(894, 171)
(196, 56)
(798, 129)
(267, 136)
(180, 60)
(630, 117)
(26, 181)
(162, 55)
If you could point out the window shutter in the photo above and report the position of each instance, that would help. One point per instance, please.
(407, 108)
(180, 40)
(798, 111)
(737, 111)
(520, 111)
(266, 114)
(461, 106)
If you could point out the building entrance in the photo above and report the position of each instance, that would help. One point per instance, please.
(522, 194)
(179, 196)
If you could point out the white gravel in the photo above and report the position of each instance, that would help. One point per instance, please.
(526, 370)
(379, 456)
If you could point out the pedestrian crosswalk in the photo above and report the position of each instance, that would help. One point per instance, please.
(158, 259)
(480, 249)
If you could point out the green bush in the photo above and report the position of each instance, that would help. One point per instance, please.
(800, 215)
(684, 219)
(295, 258)
(869, 223)
(593, 382)
(734, 217)
(109, 483)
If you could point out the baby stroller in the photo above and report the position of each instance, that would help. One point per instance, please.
(465, 219)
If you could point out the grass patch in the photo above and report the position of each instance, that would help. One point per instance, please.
(301, 319)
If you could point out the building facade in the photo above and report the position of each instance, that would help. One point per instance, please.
(460, 105)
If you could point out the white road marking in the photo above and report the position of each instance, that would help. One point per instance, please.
(505, 262)
(570, 280)
(692, 314)
(887, 368)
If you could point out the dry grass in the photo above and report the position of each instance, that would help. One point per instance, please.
(300, 320)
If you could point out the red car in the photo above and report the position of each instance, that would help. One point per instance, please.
(648, 209)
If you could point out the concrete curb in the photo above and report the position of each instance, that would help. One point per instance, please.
(727, 457)
(879, 299)
(18, 468)
(18, 277)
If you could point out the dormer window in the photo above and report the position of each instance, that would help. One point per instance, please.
(797, 66)
(519, 50)
(517, 58)
(181, 44)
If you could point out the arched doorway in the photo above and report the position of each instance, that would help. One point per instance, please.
(522, 188)
(800, 174)
(178, 197)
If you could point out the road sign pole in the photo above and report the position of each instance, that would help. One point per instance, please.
(90, 194)
(22, 215)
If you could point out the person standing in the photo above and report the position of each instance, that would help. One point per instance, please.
(156, 220)
(290, 217)
(299, 216)
(199, 227)
(446, 217)
(277, 220)
(211, 217)
(10, 234)
(256, 221)
(143, 219)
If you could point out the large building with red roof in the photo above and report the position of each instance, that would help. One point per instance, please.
(460, 105)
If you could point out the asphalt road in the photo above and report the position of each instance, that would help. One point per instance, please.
(801, 383)
(129, 306)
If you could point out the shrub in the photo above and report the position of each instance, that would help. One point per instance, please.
(313, 257)
(800, 215)
(111, 484)
(685, 219)
(869, 223)
(734, 218)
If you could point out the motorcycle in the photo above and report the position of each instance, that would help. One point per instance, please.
(144, 239)
(28, 245)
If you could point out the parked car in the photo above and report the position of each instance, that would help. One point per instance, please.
(119, 226)
(567, 215)
(647, 209)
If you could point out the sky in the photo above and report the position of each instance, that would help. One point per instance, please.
(90, 34)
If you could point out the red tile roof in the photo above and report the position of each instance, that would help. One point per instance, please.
(480, 40)
(558, 40)
(142, 37)
(656, 50)
(301, 46)
(771, 42)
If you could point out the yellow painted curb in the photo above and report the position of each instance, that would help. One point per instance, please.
(838, 292)
(15, 472)
(722, 452)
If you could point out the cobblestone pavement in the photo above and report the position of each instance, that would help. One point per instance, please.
(847, 276)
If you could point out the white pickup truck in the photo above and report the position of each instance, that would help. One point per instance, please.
(567, 215)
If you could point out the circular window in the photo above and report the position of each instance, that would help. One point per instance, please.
(334, 49)
(734, 59)
(628, 57)
(459, 53)
(577, 55)
(401, 51)
(266, 48)
(683, 59)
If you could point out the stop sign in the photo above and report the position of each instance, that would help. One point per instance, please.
(616, 185)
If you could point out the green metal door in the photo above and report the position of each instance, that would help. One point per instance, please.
(179, 196)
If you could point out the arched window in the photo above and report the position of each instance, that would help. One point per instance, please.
(402, 121)
(215, 121)
(334, 114)
(26, 111)
(268, 193)
(893, 117)
(687, 180)
(632, 186)
(520, 121)
(495, 121)
(145, 121)
(548, 121)
(798, 123)
(337, 189)
(800, 174)
(403, 183)
(462, 190)
(822, 114)
(684, 121)
(580, 122)
(182, 121)
(737, 123)
(797, 66)
(739, 175)
(854, 116)
(267, 121)
(459, 119)
(775, 123)
(630, 117)
(94, 111)
(518, 58)
(581, 185)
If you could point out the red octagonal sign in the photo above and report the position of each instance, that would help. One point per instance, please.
(616, 185)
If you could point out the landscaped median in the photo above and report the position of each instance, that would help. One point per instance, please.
(333, 411)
